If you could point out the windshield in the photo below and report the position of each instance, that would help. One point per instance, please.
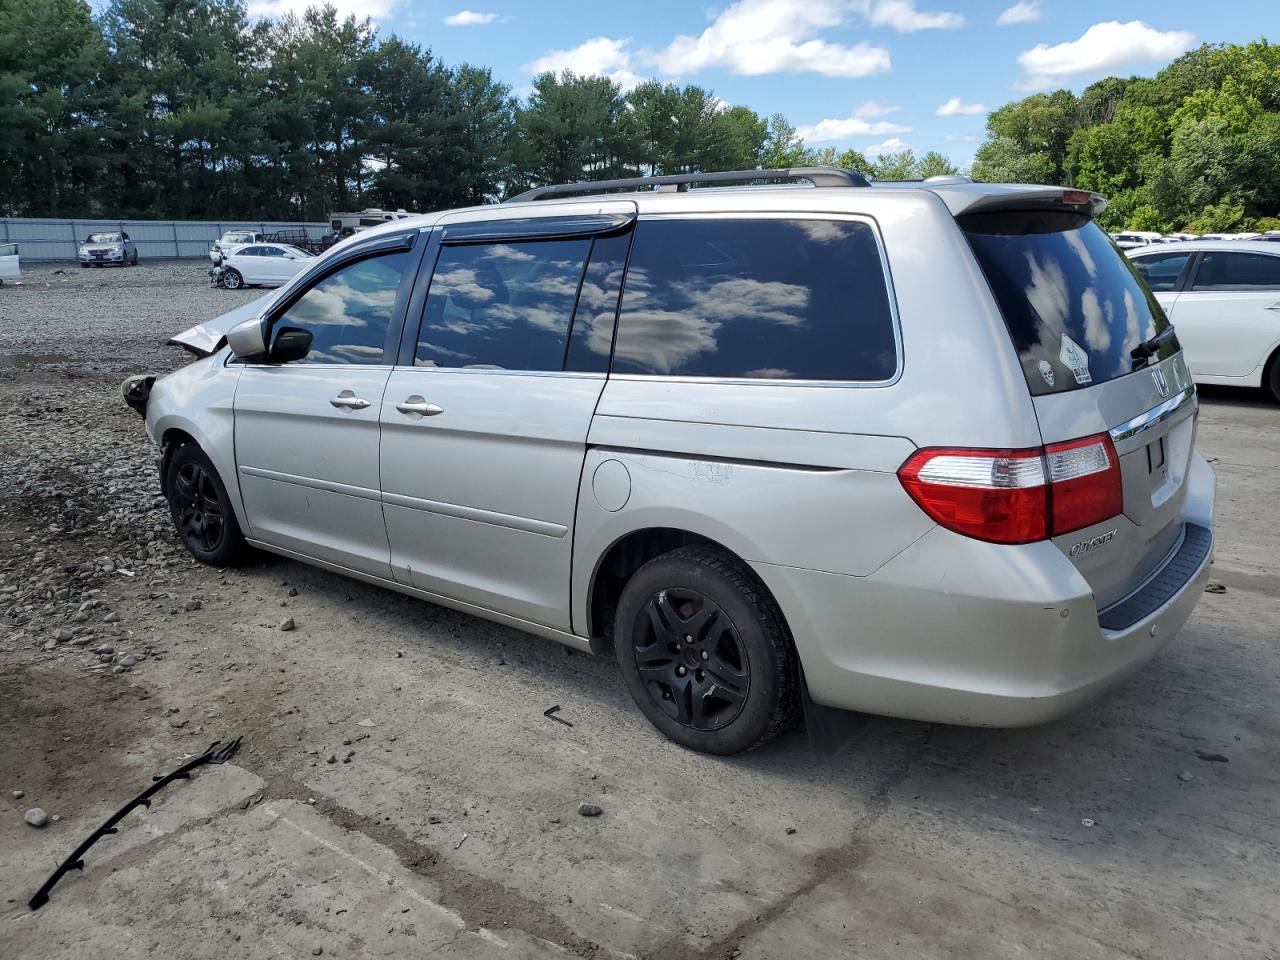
(104, 238)
(1075, 306)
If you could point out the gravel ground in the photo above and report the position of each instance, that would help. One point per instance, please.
(399, 791)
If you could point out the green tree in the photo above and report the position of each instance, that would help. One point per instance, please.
(934, 164)
(569, 129)
(52, 105)
(782, 146)
(414, 130)
(483, 135)
(896, 166)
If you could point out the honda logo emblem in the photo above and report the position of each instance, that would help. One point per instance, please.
(1161, 383)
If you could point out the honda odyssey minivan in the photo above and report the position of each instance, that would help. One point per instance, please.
(920, 449)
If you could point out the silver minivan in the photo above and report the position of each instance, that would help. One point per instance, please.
(920, 449)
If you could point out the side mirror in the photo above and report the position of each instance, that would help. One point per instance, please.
(291, 343)
(246, 341)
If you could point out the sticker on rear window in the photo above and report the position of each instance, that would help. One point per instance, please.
(1074, 357)
(1046, 371)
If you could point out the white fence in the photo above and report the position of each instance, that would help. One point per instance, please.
(42, 240)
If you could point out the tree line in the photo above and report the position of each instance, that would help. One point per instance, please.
(1196, 147)
(190, 109)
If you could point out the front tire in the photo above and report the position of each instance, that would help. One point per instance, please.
(705, 652)
(201, 509)
(231, 279)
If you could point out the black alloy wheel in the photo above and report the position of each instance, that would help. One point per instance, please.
(201, 509)
(705, 651)
(691, 659)
(201, 521)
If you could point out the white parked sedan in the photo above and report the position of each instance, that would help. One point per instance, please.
(1224, 298)
(261, 264)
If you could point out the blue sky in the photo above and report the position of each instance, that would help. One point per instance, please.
(872, 74)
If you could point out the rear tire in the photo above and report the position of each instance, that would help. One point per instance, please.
(201, 509)
(1271, 380)
(705, 652)
(231, 279)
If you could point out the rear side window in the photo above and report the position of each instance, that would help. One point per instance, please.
(1220, 270)
(757, 299)
(502, 306)
(1074, 305)
(1161, 272)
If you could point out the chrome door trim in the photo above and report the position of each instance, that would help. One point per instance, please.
(1155, 416)
(330, 486)
(524, 524)
(462, 606)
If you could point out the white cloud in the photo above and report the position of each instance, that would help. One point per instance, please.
(955, 107)
(962, 138)
(469, 18)
(377, 9)
(599, 56)
(892, 145)
(903, 16)
(1024, 11)
(1104, 46)
(757, 37)
(825, 131)
(875, 108)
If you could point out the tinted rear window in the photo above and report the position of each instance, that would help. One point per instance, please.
(1074, 305)
(1223, 270)
(757, 299)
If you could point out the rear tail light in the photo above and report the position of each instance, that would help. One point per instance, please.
(1017, 496)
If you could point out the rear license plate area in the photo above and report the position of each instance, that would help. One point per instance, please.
(1156, 456)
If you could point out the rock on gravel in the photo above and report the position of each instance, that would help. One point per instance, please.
(589, 810)
(36, 817)
(287, 624)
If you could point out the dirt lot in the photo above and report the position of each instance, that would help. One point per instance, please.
(399, 792)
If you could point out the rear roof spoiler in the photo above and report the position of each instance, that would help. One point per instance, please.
(962, 198)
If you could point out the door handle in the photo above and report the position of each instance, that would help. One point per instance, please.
(1273, 306)
(417, 405)
(348, 400)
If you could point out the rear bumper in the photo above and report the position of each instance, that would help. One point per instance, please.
(954, 630)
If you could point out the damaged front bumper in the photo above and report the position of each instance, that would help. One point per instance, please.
(137, 391)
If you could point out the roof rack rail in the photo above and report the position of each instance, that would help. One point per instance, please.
(818, 176)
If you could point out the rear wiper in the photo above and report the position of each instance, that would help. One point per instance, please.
(1144, 351)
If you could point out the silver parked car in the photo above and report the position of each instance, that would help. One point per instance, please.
(923, 450)
(107, 248)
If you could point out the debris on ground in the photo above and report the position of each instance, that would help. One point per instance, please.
(1087, 822)
(1212, 757)
(218, 752)
(589, 810)
(287, 624)
(550, 714)
(1186, 776)
(1215, 588)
